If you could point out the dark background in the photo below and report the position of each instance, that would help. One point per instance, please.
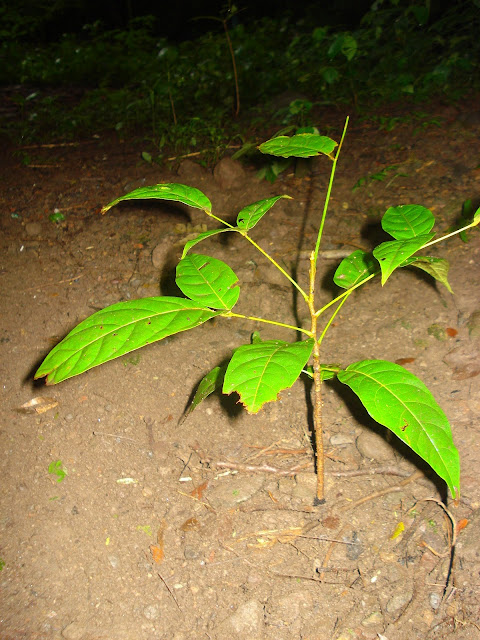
(45, 21)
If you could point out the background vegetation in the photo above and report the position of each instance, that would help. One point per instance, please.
(182, 95)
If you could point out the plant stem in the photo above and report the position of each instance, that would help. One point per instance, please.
(234, 65)
(231, 314)
(449, 235)
(317, 383)
(322, 335)
(317, 374)
(289, 278)
(172, 104)
(345, 293)
(329, 190)
(211, 215)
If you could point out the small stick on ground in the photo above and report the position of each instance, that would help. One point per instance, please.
(262, 468)
(269, 449)
(383, 492)
(386, 471)
(169, 590)
(58, 144)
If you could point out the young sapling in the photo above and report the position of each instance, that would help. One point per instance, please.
(259, 371)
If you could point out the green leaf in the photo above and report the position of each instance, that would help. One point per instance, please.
(392, 254)
(436, 267)
(476, 218)
(246, 148)
(56, 468)
(258, 372)
(345, 44)
(249, 216)
(209, 383)
(208, 281)
(202, 236)
(401, 402)
(117, 330)
(355, 268)
(167, 191)
(349, 47)
(302, 145)
(329, 74)
(407, 221)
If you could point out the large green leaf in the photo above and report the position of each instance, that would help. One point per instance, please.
(258, 372)
(167, 191)
(392, 254)
(117, 330)
(249, 216)
(208, 281)
(436, 267)
(397, 399)
(202, 236)
(302, 145)
(355, 268)
(407, 221)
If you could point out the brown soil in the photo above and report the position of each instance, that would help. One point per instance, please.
(158, 530)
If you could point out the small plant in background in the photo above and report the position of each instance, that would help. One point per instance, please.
(398, 50)
(259, 371)
(229, 12)
(56, 468)
(380, 176)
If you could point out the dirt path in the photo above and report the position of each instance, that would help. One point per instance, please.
(168, 531)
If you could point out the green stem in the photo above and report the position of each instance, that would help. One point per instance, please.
(262, 251)
(231, 314)
(289, 278)
(329, 190)
(449, 235)
(234, 65)
(230, 226)
(346, 293)
(322, 335)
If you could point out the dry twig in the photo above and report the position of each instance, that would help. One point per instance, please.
(263, 468)
(169, 590)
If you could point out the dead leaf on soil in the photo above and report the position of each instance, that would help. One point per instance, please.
(192, 524)
(157, 553)
(403, 361)
(40, 404)
(331, 522)
(461, 524)
(199, 491)
(157, 550)
(270, 537)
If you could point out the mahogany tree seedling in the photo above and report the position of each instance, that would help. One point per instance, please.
(259, 371)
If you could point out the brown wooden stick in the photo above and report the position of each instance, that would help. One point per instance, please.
(384, 492)
(262, 468)
(169, 590)
(387, 471)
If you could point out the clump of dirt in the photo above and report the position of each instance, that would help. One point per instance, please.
(119, 522)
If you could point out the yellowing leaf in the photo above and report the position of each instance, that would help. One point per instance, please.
(399, 529)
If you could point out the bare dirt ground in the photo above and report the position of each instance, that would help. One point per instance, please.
(119, 523)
